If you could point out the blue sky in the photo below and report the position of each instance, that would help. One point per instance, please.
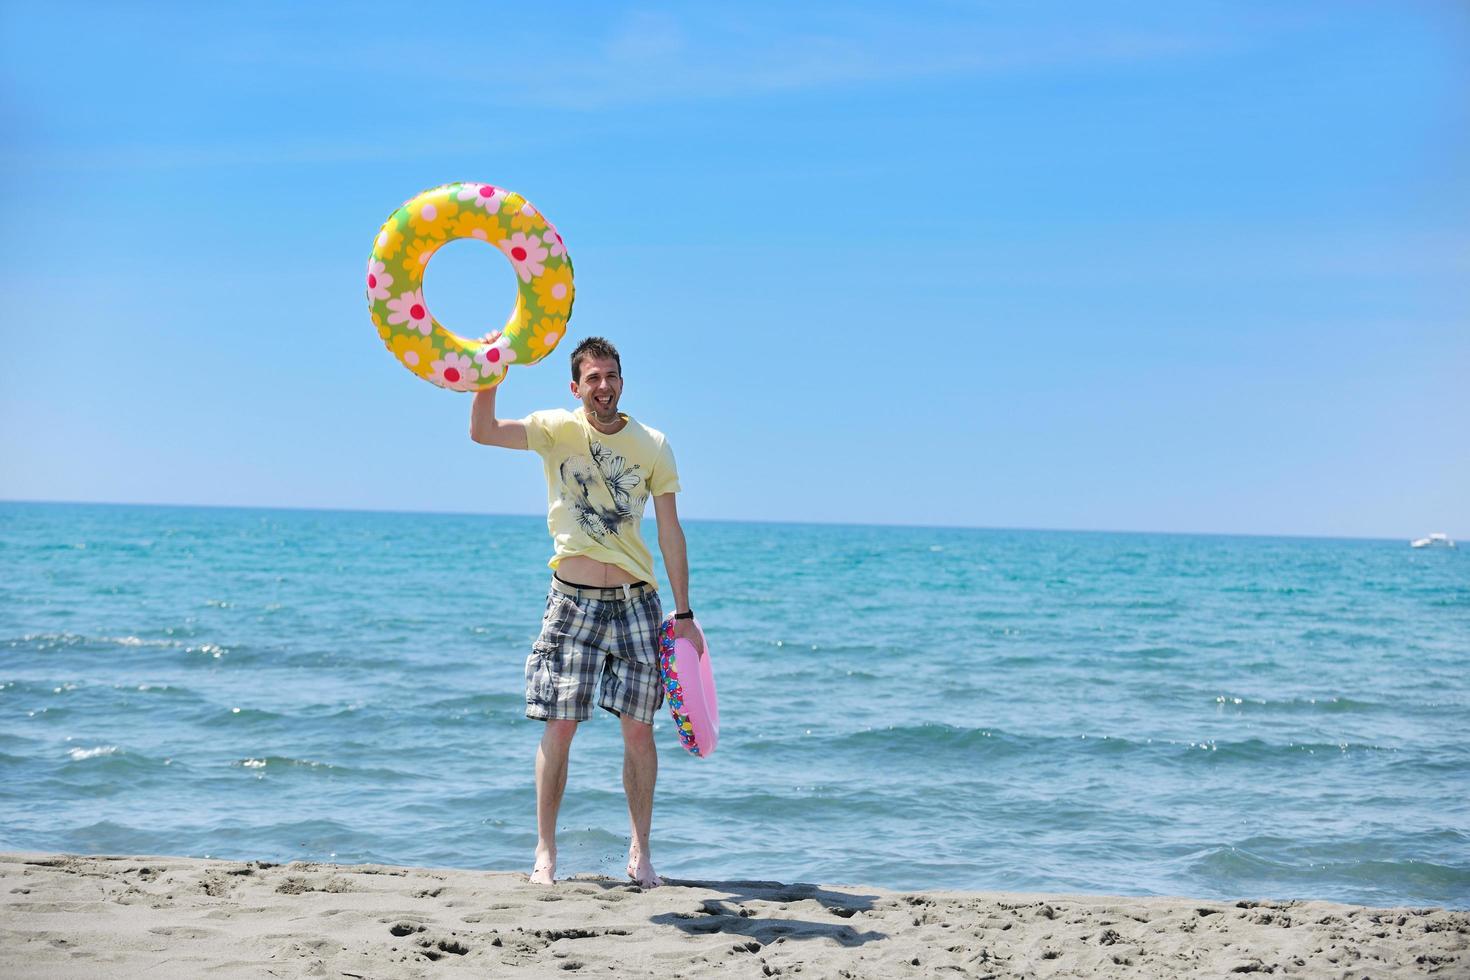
(1180, 267)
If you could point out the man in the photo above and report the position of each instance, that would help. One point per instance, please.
(603, 610)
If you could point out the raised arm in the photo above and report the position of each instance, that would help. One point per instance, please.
(488, 430)
(676, 563)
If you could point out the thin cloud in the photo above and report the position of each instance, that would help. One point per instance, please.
(227, 154)
(667, 72)
(649, 57)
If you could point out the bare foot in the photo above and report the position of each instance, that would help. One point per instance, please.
(544, 873)
(640, 869)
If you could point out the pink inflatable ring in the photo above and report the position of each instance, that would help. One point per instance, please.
(689, 682)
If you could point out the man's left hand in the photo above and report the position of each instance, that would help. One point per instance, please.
(684, 630)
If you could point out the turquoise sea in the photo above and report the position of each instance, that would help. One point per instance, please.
(1219, 717)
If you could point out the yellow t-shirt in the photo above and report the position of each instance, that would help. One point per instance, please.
(598, 485)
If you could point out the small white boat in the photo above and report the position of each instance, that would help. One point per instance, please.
(1437, 540)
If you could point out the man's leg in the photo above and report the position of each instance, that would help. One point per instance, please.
(640, 772)
(551, 782)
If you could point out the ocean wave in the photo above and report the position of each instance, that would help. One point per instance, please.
(815, 803)
(225, 839)
(51, 642)
(279, 762)
(1135, 605)
(1263, 751)
(476, 702)
(1331, 869)
(1352, 639)
(106, 769)
(933, 740)
(927, 740)
(1148, 653)
(79, 754)
(1326, 705)
(46, 642)
(215, 715)
(282, 765)
(167, 691)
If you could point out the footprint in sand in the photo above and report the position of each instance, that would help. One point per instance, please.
(183, 932)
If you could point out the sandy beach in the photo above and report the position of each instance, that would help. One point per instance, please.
(74, 916)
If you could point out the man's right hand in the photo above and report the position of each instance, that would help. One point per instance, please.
(485, 428)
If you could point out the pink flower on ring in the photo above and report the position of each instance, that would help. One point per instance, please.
(496, 357)
(486, 196)
(553, 241)
(454, 370)
(525, 253)
(378, 280)
(410, 309)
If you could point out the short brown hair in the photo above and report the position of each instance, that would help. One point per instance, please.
(593, 347)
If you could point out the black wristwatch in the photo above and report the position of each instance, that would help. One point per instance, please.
(689, 614)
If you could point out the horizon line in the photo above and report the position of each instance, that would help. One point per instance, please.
(715, 520)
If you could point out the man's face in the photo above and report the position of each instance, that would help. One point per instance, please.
(600, 387)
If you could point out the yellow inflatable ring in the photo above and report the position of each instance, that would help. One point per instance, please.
(395, 284)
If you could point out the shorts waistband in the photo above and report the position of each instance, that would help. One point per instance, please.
(603, 594)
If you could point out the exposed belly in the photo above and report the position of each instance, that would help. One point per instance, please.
(589, 571)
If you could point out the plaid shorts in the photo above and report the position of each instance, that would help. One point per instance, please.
(586, 631)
